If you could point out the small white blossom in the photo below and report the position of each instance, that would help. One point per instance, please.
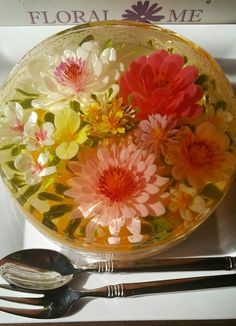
(34, 171)
(13, 119)
(36, 137)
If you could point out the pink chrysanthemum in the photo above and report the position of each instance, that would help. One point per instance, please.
(160, 83)
(156, 133)
(116, 185)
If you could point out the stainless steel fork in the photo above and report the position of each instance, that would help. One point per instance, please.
(57, 302)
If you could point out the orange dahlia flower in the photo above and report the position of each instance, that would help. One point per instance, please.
(202, 157)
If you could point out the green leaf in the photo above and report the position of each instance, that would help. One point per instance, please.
(57, 211)
(150, 43)
(49, 224)
(25, 103)
(17, 182)
(110, 91)
(11, 165)
(31, 209)
(221, 104)
(16, 150)
(48, 182)
(30, 191)
(75, 105)
(94, 97)
(48, 196)
(211, 191)
(49, 117)
(60, 188)
(87, 39)
(161, 224)
(170, 50)
(201, 79)
(129, 100)
(5, 147)
(54, 160)
(72, 226)
(21, 91)
(108, 44)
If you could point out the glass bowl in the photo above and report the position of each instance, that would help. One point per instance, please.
(117, 138)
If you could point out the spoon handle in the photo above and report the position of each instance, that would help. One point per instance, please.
(172, 285)
(162, 265)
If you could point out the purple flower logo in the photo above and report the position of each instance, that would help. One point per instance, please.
(144, 12)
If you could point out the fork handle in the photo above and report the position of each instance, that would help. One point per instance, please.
(161, 265)
(172, 285)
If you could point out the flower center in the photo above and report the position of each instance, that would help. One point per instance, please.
(117, 183)
(158, 135)
(18, 127)
(199, 153)
(41, 135)
(71, 73)
(36, 168)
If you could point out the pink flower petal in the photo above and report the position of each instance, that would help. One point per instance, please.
(113, 240)
(142, 198)
(158, 209)
(161, 181)
(152, 189)
(134, 226)
(115, 226)
(142, 209)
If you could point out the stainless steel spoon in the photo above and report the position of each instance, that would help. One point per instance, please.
(44, 269)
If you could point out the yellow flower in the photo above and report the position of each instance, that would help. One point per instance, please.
(109, 118)
(93, 113)
(68, 133)
(113, 122)
(186, 200)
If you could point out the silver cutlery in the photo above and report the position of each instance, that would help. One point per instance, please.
(57, 302)
(44, 269)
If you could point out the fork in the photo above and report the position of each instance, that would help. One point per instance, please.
(58, 302)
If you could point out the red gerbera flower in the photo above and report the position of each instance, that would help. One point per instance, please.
(161, 84)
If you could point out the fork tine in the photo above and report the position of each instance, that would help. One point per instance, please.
(31, 313)
(13, 287)
(33, 301)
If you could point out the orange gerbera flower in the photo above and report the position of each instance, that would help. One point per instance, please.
(202, 157)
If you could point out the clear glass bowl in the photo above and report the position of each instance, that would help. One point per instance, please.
(117, 138)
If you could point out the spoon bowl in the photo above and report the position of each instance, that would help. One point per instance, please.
(45, 269)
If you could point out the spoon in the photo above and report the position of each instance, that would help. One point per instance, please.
(44, 269)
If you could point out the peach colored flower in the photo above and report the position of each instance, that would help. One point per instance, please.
(115, 185)
(156, 133)
(161, 84)
(203, 156)
(187, 201)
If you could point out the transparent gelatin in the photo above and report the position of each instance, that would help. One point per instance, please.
(117, 137)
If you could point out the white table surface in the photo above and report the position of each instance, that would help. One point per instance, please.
(215, 237)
